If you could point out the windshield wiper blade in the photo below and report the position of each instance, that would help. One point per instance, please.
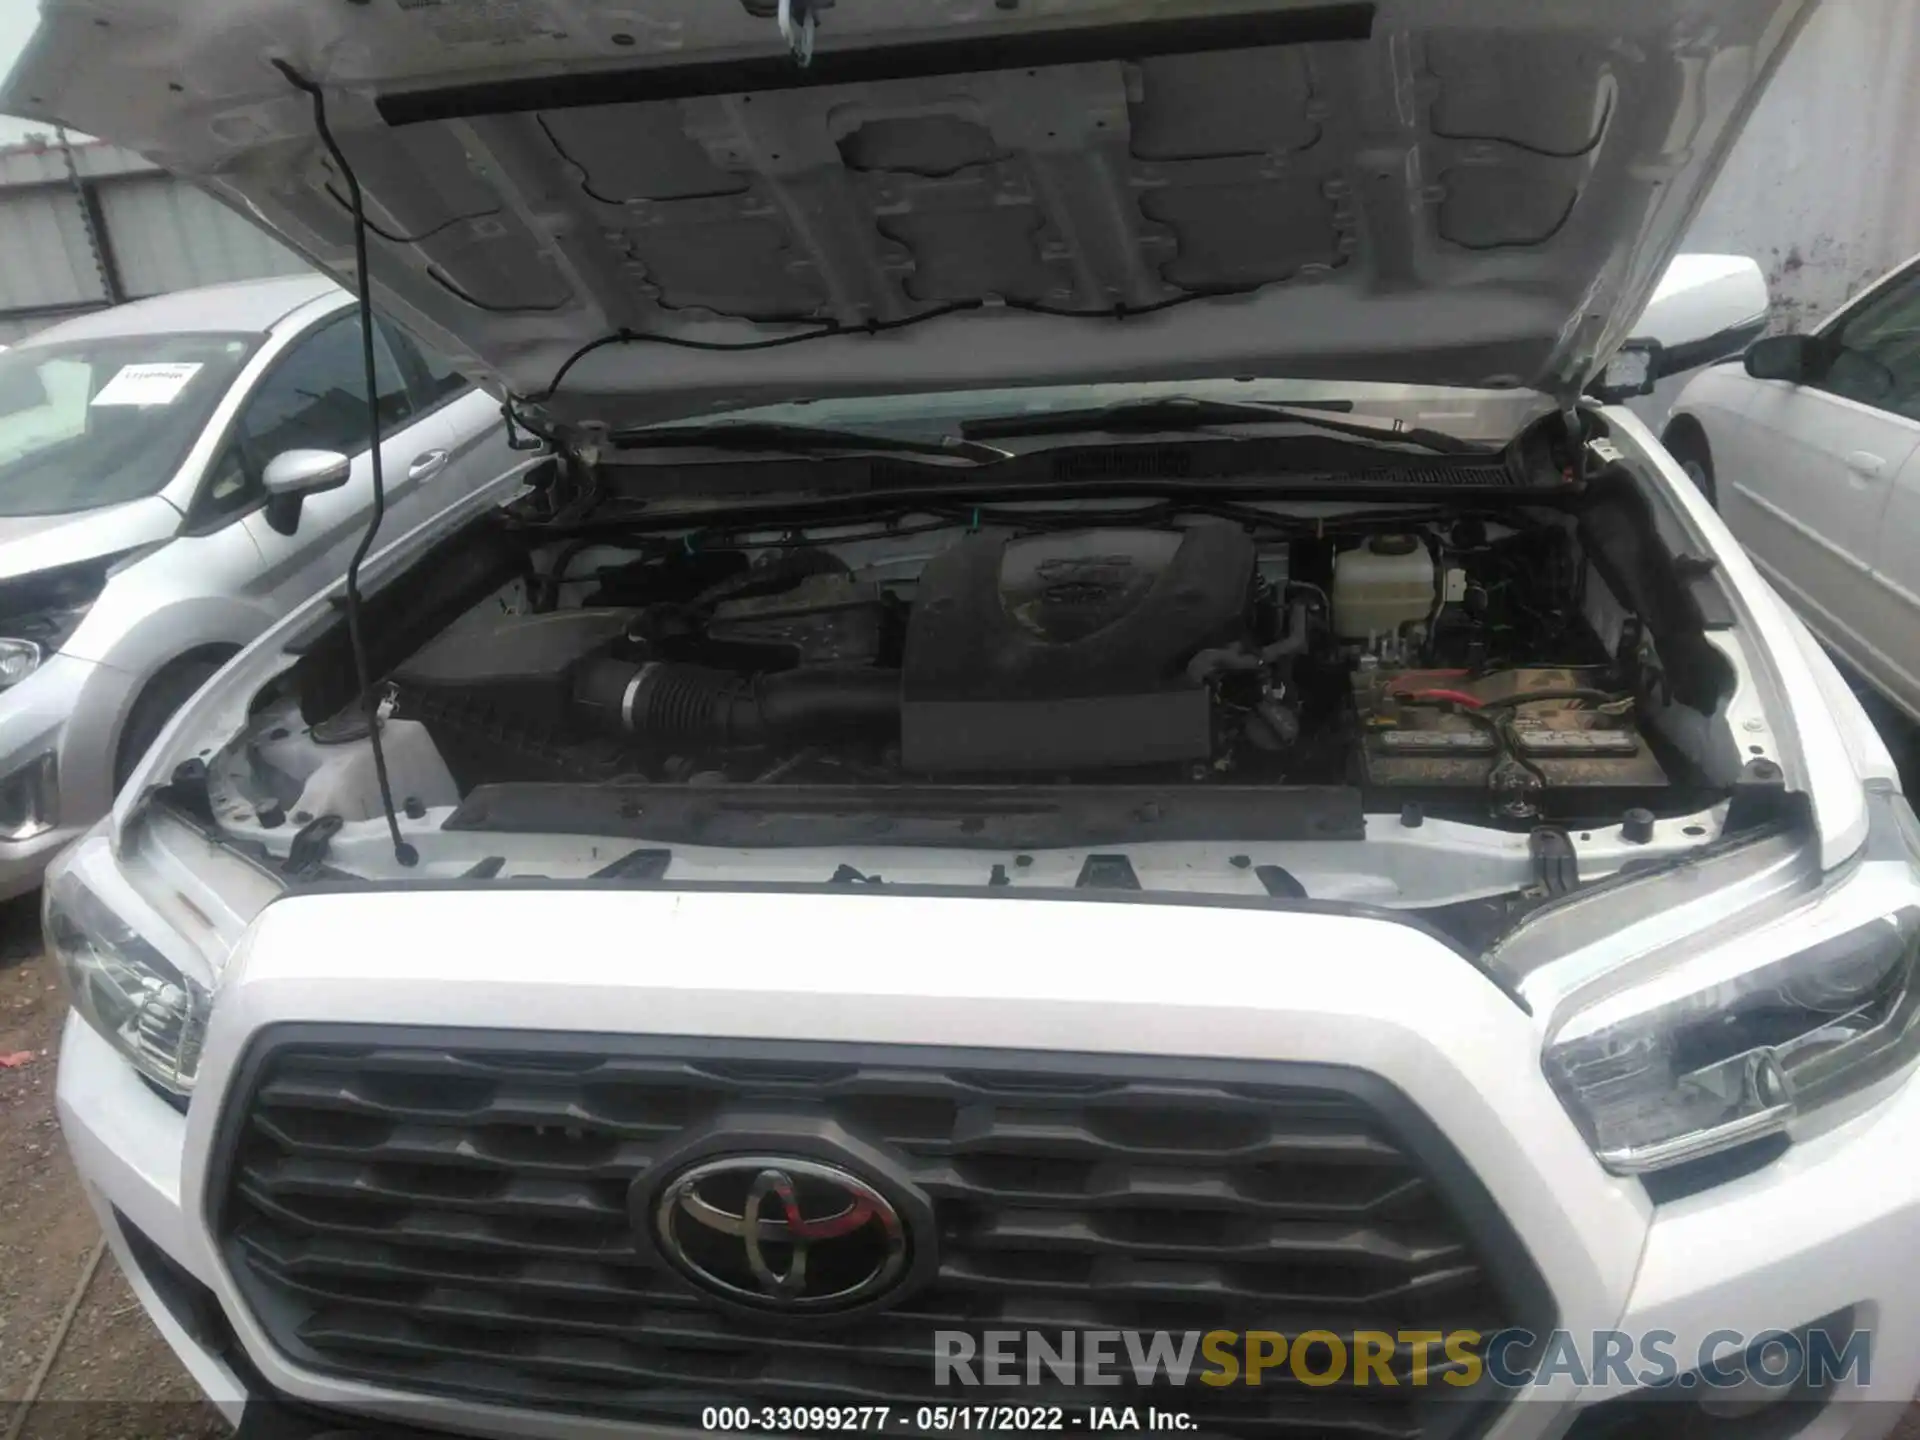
(775, 437)
(1186, 412)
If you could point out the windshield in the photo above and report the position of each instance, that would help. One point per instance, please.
(1493, 416)
(90, 423)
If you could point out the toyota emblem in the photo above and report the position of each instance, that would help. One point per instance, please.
(780, 1233)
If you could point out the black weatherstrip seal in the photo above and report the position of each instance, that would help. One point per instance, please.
(973, 54)
(1511, 1267)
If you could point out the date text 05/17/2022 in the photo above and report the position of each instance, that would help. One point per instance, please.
(961, 1419)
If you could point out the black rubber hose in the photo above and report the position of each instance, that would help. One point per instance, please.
(675, 704)
(822, 704)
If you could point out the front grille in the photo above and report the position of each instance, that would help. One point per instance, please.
(449, 1215)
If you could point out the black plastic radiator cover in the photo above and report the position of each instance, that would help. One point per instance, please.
(971, 817)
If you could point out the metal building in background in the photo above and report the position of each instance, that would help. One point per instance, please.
(1821, 187)
(169, 236)
(115, 229)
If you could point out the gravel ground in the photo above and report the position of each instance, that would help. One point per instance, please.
(114, 1378)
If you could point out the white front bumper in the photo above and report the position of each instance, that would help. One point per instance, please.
(1835, 1224)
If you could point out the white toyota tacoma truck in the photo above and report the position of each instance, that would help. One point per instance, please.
(1086, 718)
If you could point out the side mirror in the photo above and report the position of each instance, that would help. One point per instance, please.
(1813, 359)
(1707, 308)
(293, 475)
(1783, 357)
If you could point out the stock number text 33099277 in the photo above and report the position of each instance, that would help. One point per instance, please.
(940, 1419)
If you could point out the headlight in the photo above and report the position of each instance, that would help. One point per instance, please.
(126, 989)
(18, 659)
(40, 611)
(30, 639)
(1739, 1040)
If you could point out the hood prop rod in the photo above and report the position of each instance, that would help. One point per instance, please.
(403, 852)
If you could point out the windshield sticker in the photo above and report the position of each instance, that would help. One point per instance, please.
(158, 384)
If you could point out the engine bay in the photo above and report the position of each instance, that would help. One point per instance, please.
(1470, 666)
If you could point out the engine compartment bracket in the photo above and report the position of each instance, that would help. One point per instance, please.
(646, 863)
(1107, 872)
(1279, 883)
(1556, 865)
(309, 847)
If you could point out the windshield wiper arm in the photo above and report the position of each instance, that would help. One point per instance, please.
(1184, 412)
(771, 436)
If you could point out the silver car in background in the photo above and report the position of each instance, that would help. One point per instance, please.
(175, 475)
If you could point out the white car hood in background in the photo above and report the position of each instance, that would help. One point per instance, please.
(30, 544)
(953, 194)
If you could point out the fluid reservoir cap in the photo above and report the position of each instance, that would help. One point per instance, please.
(1394, 544)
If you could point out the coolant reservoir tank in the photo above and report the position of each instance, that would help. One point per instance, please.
(1381, 585)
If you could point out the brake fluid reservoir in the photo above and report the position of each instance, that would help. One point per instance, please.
(1380, 586)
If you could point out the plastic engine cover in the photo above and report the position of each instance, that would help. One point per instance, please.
(1069, 651)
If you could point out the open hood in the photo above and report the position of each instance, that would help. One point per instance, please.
(950, 194)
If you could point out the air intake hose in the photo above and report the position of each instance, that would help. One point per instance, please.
(674, 704)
